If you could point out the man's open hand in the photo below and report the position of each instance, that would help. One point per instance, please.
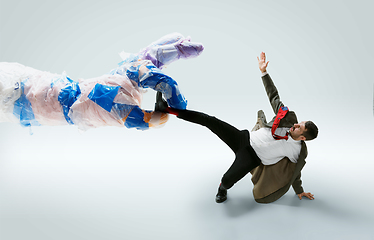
(262, 64)
(308, 195)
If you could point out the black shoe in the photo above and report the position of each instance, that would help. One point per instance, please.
(221, 195)
(161, 104)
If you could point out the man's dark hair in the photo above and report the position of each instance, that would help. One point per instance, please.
(311, 131)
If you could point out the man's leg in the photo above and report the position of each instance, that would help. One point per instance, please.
(226, 132)
(245, 157)
(245, 160)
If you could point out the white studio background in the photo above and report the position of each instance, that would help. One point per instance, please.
(118, 183)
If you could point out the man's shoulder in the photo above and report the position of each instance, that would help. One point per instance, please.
(288, 121)
(291, 116)
(303, 151)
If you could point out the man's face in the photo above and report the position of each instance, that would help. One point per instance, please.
(297, 130)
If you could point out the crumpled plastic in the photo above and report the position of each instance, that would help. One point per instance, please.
(34, 98)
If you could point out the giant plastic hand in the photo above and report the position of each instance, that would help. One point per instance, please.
(34, 98)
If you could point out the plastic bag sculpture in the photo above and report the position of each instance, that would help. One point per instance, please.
(33, 98)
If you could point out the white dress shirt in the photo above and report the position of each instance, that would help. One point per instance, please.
(269, 150)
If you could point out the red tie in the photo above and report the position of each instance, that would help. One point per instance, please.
(281, 113)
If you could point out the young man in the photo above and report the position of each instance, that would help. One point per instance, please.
(274, 154)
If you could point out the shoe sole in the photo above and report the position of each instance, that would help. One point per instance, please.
(221, 201)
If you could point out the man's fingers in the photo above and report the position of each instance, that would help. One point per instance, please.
(310, 196)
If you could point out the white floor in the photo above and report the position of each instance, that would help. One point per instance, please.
(124, 184)
(112, 183)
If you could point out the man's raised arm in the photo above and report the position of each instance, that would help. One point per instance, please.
(270, 88)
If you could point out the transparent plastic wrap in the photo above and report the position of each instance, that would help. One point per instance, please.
(33, 98)
(169, 49)
(10, 89)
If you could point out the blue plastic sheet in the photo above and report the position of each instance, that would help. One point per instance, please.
(23, 110)
(123, 110)
(158, 81)
(136, 119)
(67, 97)
(104, 95)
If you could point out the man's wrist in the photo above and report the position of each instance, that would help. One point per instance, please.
(263, 73)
